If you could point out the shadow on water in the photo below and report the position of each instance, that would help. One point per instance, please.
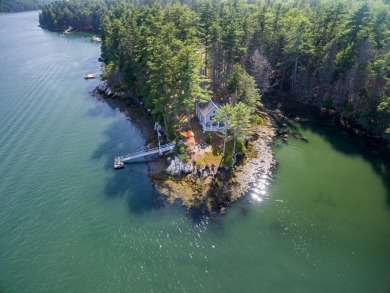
(343, 139)
(115, 144)
(121, 137)
(349, 144)
(101, 110)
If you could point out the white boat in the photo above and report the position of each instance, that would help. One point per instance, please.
(96, 39)
(89, 76)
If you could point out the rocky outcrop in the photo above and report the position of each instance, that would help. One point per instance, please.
(103, 88)
(177, 167)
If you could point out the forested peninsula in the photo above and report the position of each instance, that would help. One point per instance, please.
(332, 54)
(203, 66)
(8, 6)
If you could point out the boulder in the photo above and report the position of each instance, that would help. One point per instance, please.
(187, 168)
(102, 87)
(177, 167)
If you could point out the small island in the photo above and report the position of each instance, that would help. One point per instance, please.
(198, 71)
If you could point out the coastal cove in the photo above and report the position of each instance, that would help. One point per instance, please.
(70, 223)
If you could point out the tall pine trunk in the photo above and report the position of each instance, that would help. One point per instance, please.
(294, 77)
(234, 149)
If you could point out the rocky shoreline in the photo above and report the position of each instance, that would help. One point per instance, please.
(213, 190)
(211, 193)
(303, 112)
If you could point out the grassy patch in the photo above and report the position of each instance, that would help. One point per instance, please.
(210, 158)
(258, 120)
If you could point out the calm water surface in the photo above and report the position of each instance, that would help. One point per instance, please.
(69, 223)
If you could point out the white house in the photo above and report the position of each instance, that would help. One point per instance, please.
(206, 113)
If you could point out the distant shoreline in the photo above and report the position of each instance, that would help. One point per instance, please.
(24, 11)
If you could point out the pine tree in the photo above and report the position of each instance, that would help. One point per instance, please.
(240, 124)
(223, 115)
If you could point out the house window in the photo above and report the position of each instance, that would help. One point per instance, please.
(211, 117)
(214, 112)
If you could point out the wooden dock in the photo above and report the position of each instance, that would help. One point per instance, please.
(119, 162)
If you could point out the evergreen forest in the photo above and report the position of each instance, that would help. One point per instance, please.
(21, 5)
(333, 54)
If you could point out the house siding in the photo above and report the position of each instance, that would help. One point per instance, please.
(206, 119)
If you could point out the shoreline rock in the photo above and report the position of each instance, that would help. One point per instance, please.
(177, 167)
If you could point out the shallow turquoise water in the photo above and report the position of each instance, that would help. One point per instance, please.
(70, 223)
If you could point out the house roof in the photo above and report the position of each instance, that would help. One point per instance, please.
(207, 107)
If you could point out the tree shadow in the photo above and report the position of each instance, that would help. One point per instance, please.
(120, 138)
(350, 140)
(134, 187)
(101, 110)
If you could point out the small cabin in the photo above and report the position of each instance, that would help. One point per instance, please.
(206, 113)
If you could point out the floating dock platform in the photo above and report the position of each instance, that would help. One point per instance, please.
(118, 163)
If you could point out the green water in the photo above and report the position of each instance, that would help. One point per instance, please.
(70, 223)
